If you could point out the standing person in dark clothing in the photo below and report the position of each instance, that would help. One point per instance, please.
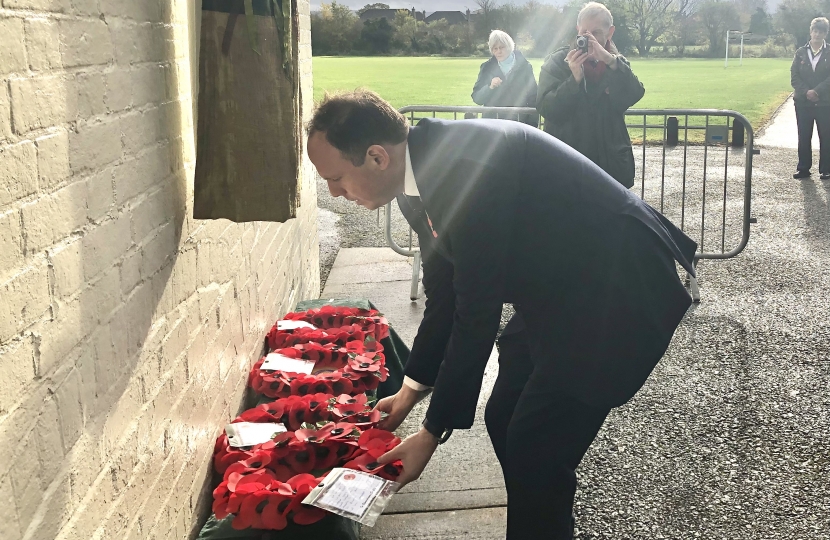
(584, 93)
(506, 80)
(810, 77)
(529, 221)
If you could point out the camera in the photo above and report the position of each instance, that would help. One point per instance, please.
(582, 43)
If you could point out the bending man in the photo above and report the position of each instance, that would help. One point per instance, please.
(506, 213)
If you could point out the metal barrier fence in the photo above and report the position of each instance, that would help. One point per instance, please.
(691, 183)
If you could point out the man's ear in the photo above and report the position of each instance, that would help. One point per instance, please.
(378, 156)
(610, 33)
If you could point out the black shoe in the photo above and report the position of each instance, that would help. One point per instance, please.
(825, 176)
(801, 174)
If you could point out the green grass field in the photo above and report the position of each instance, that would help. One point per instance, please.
(755, 89)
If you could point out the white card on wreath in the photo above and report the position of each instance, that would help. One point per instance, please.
(293, 325)
(280, 362)
(353, 492)
(250, 433)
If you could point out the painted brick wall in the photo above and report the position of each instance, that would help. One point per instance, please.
(126, 327)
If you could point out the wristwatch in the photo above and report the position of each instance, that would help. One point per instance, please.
(442, 434)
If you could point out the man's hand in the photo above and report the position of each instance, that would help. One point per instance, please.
(575, 59)
(812, 95)
(398, 407)
(415, 452)
(495, 83)
(597, 52)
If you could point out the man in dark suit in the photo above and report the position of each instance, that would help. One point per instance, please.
(507, 213)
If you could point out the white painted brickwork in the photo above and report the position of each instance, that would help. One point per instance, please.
(126, 327)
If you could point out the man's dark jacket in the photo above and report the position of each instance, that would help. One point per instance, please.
(518, 88)
(523, 218)
(803, 78)
(590, 117)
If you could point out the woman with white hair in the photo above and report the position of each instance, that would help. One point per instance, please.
(584, 91)
(506, 80)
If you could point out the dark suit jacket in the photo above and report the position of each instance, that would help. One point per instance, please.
(803, 78)
(523, 218)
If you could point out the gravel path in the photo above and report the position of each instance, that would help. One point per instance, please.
(730, 437)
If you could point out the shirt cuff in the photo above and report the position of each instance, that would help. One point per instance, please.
(418, 387)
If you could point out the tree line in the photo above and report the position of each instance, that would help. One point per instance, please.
(644, 28)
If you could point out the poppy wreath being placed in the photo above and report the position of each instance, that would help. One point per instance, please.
(263, 491)
(260, 501)
(371, 321)
(353, 368)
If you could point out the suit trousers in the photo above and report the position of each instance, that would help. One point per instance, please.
(539, 435)
(806, 116)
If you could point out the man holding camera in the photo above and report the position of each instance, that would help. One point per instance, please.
(584, 92)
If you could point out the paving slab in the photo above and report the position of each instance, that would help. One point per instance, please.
(487, 523)
(782, 130)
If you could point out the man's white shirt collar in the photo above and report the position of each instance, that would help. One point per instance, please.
(410, 188)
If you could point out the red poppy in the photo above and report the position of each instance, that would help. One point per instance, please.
(364, 462)
(295, 510)
(258, 459)
(250, 483)
(364, 420)
(277, 409)
(347, 450)
(377, 441)
(271, 516)
(221, 495)
(342, 431)
(302, 385)
(339, 383)
(298, 414)
(391, 471)
(369, 344)
(315, 435)
(359, 400)
(256, 415)
(300, 458)
(325, 455)
(321, 386)
(250, 512)
(225, 454)
(365, 364)
(278, 446)
(353, 407)
(282, 472)
(318, 406)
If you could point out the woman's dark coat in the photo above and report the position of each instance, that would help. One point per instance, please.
(590, 117)
(518, 88)
(803, 78)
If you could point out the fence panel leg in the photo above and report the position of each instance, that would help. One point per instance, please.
(416, 274)
(693, 288)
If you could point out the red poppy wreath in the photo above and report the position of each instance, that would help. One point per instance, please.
(353, 368)
(265, 490)
(371, 321)
(295, 412)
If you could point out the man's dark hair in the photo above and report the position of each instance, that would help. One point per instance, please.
(354, 121)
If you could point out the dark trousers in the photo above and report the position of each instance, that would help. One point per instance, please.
(806, 116)
(540, 435)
